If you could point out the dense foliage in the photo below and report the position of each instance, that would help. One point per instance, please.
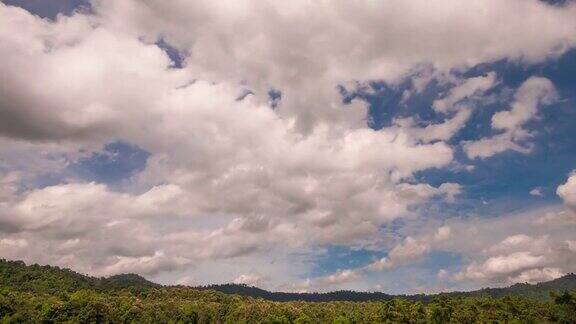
(540, 291)
(37, 294)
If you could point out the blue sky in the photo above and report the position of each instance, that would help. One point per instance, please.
(157, 147)
(50, 8)
(500, 184)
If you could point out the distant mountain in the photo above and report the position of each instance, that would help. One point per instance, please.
(48, 279)
(539, 291)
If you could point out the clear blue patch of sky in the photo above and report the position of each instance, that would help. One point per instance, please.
(115, 164)
(177, 57)
(51, 8)
(556, 2)
(274, 97)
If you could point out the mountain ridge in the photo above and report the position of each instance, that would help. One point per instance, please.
(540, 290)
(20, 276)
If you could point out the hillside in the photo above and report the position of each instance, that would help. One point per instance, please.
(341, 295)
(540, 291)
(45, 294)
(48, 279)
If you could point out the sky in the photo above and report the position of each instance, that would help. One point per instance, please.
(403, 147)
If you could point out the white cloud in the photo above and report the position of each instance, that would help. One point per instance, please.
(436, 132)
(411, 250)
(487, 147)
(529, 247)
(537, 192)
(250, 279)
(469, 89)
(14, 243)
(333, 185)
(342, 277)
(567, 192)
(443, 233)
(185, 281)
(521, 258)
(150, 265)
(529, 96)
(532, 93)
(227, 178)
(384, 40)
(329, 282)
(560, 218)
(541, 251)
(442, 274)
(502, 265)
(538, 275)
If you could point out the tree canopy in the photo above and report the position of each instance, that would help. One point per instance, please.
(44, 294)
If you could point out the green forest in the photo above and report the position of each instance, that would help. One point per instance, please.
(45, 294)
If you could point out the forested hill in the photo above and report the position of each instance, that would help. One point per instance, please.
(44, 294)
(539, 291)
(341, 295)
(48, 279)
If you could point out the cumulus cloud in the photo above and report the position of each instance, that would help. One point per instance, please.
(458, 104)
(558, 219)
(228, 176)
(467, 90)
(567, 192)
(529, 96)
(205, 144)
(341, 277)
(443, 131)
(530, 247)
(384, 41)
(329, 282)
(541, 250)
(532, 92)
(521, 258)
(250, 279)
(538, 275)
(409, 251)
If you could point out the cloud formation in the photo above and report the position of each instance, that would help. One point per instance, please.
(533, 93)
(229, 176)
(567, 192)
(542, 247)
